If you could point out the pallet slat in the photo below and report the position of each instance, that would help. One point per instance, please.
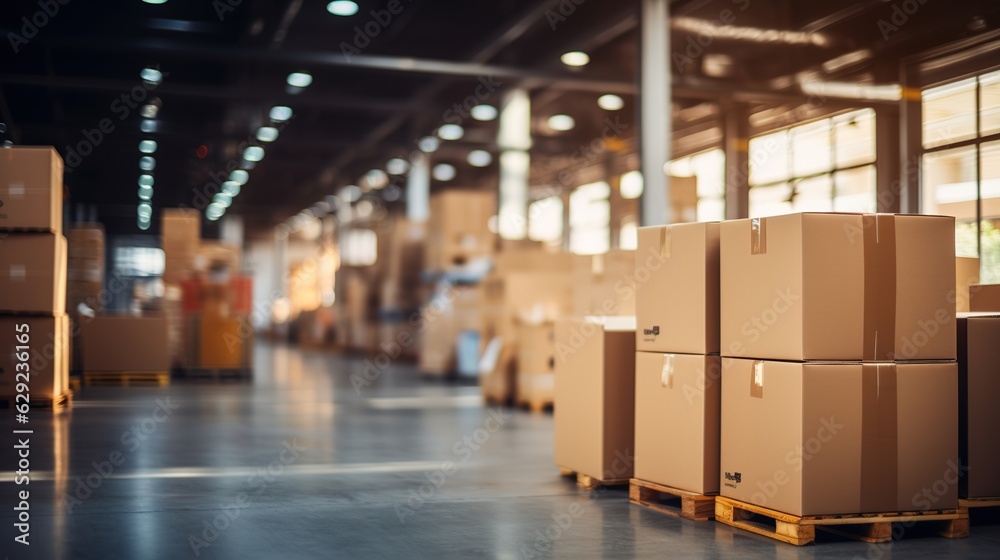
(127, 378)
(64, 400)
(590, 482)
(214, 374)
(689, 505)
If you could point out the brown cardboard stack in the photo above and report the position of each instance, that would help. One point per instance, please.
(677, 367)
(450, 311)
(839, 385)
(536, 364)
(966, 274)
(594, 396)
(979, 415)
(604, 284)
(85, 243)
(180, 236)
(984, 297)
(124, 344)
(33, 271)
(458, 230)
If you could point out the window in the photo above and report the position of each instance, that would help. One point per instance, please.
(359, 247)
(961, 165)
(139, 262)
(590, 219)
(822, 166)
(709, 170)
(545, 219)
(628, 234)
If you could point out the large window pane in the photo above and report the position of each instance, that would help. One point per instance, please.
(989, 103)
(989, 189)
(545, 219)
(949, 113)
(855, 190)
(854, 138)
(814, 195)
(812, 151)
(769, 158)
(949, 189)
(770, 201)
(590, 219)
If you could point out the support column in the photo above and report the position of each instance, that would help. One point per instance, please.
(910, 144)
(514, 141)
(887, 163)
(736, 136)
(418, 188)
(654, 121)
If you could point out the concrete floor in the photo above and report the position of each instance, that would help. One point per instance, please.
(350, 477)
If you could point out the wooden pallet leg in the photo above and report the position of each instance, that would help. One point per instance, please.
(797, 534)
(566, 472)
(955, 528)
(587, 482)
(698, 509)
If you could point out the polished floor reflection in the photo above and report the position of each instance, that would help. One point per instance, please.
(306, 463)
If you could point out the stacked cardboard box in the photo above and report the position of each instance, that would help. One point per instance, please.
(124, 344)
(85, 243)
(984, 297)
(180, 237)
(458, 229)
(452, 310)
(604, 284)
(677, 364)
(536, 364)
(218, 332)
(979, 415)
(966, 275)
(839, 380)
(33, 271)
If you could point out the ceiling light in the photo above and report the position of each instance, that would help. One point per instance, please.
(147, 163)
(155, 1)
(397, 166)
(267, 134)
(392, 193)
(239, 176)
(150, 109)
(484, 112)
(480, 158)
(151, 75)
(280, 113)
(444, 172)
(610, 102)
(450, 132)
(145, 210)
(147, 125)
(231, 188)
(215, 211)
(143, 224)
(299, 79)
(365, 208)
(253, 154)
(145, 193)
(752, 34)
(561, 123)
(351, 193)
(147, 146)
(342, 8)
(575, 58)
(376, 179)
(428, 144)
(222, 199)
(145, 180)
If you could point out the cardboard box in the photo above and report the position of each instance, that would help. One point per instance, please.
(180, 235)
(122, 343)
(677, 415)
(595, 396)
(33, 273)
(984, 297)
(533, 260)
(48, 355)
(979, 393)
(535, 390)
(536, 348)
(222, 341)
(458, 228)
(31, 189)
(966, 274)
(677, 288)
(816, 286)
(604, 284)
(840, 438)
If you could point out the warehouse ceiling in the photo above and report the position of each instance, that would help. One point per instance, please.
(383, 80)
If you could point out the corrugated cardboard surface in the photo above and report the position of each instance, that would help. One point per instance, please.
(120, 343)
(984, 297)
(31, 189)
(966, 274)
(48, 355)
(677, 415)
(594, 399)
(979, 415)
(604, 284)
(222, 341)
(677, 288)
(33, 270)
(536, 348)
(822, 438)
(823, 287)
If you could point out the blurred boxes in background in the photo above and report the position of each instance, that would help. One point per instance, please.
(458, 230)
(604, 284)
(33, 273)
(979, 393)
(119, 343)
(180, 238)
(47, 339)
(966, 274)
(85, 268)
(984, 297)
(536, 362)
(31, 189)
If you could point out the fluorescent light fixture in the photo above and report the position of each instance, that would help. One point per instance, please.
(145, 210)
(342, 8)
(155, 1)
(752, 34)
(231, 188)
(376, 179)
(151, 75)
(253, 154)
(561, 123)
(443, 172)
(239, 176)
(575, 58)
(145, 180)
(147, 125)
(450, 132)
(280, 113)
(142, 224)
(145, 193)
(610, 102)
(428, 144)
(267, 134)
(351, 193)
(845, 60)
(397, 166)
(299, 79)
(147, 163)
(631, 185)
(480, 158)
(484, 112)
(889, 92)
(222, 199)
(149, 110)
(214, 211)
(147, 146)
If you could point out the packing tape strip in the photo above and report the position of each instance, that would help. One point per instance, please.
(667, 372)
(597, 265)
(758, 236)
(666, 242)
(880, 287)
(879, 451)
(757, 380)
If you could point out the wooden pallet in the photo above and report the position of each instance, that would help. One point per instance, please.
(867, 527)
(127, 378)
(64, 400)
(683, 504)
(591, 483)
(214, 374)
(537, 407)
(971, 503)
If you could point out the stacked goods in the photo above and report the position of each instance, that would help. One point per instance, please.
(402, 288)
(217, 326)
(85, 244)
(979, 415)
(594, 399)
(984, 297)
(33, 271)
(966, 274)
(677, 367)
(124, 345)
(215, 258)
(536, 363)
(458, 229)
(358, 327)
(604, 284)
(839, 380)
(180, 238)
(452, 310)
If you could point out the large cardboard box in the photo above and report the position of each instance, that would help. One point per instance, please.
(85, 267)
(816, 286)
(180, 235)
(31, 189)
(33, 273)
(222, 341)
(979, 393)
(966, 274)
(48, 355)
(595, 396)
(677, 288)
(533, 259)
(677, 415)
(122, 343)
(536, 347)
(604, 284)
(840, 438)
(458, 228)
(984, 297)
